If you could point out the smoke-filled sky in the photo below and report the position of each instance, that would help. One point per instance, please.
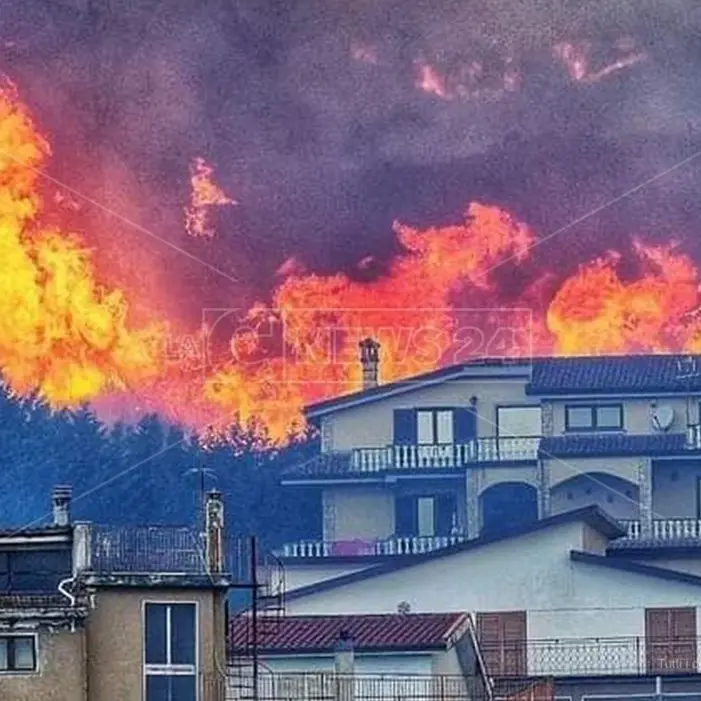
(313, 116)
(326, 122)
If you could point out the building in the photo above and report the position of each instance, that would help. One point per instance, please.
(92, 613)
(393, 656)
(556, 500)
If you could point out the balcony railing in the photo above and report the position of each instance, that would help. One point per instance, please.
(402, 457)
(398, 545)
(664, 529)
(592, 657)
(329, 686)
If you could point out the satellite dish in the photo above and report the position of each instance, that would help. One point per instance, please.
(662, 417)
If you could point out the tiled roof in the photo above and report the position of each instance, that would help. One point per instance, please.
(299, 634)
(614, 374)
(580, 445)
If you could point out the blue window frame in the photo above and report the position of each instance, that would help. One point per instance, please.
(170, 651)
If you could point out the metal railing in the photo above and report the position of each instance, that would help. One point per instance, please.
(397, 545)
(592, 657)
(146, 550)
(408, 457)
(664, 529)
(329, 686)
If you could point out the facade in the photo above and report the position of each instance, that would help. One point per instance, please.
(103, 614)
(556, 500)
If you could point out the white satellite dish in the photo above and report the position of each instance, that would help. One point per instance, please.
(662, 417)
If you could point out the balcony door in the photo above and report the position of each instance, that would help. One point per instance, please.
(502, 638)
(434, 426)
(670, 640)
(425, 516)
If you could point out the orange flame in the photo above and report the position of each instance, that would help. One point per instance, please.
(205, 194)
(64, 334)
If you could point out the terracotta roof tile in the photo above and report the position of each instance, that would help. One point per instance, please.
(297, 634)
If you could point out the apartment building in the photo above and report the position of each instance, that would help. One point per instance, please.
(557, 500)
(92, 613)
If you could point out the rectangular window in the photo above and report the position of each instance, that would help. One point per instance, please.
(520, 421)
(434, 427)
(426, 516)
(18, 653)
(170, 651)
(605, 417)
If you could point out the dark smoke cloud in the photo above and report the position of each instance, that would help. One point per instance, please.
(323, 151)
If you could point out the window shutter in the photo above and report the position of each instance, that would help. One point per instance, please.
(464, 424)
(405, 427)
(670, 642)
(444, 511)
(406, 516)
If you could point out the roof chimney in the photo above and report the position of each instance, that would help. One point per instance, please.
(370, 361)
(61, 499)
(344, 660)
(214, 526)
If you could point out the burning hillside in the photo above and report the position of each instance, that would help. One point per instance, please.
(477, 133)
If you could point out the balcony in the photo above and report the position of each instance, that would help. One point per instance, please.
(672, 529)
(411, 457)
(409, 545)
(591, 657)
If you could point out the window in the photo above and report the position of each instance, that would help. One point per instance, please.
(521, 421)
(170, 652)
(605, 417)
(434, 426)
(18, 653)
(502, 638)
(670, 640)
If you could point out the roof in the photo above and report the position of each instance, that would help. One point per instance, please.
(377, 632)
(615, 374)
(591, 515)
(487, 368)
(619, 564)
(614, 444)
(548, 376)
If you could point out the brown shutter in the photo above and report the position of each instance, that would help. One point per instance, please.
(670, 640)
(503, 642)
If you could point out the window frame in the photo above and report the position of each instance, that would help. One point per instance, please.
(593, 409)
(434, 411)
(499, 407)
(168, 670)
(11, 671)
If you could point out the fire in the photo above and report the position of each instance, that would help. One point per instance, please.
(205, 194)
(576, 58)
(431, 81)
(68, 336)
(59, 329)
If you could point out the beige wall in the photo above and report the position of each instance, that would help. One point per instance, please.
(636, 413)
(560, 470)
(115, 639)
(371, 425)
(61, 675)
(675, 488)
(619, 498)
(360, 512)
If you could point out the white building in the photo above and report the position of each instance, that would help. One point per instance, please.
(558, 501)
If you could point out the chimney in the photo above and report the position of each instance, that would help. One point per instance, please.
(214, 527)
(370, 362)
(344, 660)
(62, 505)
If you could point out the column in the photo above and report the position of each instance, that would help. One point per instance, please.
(547, 419)
(645, 496)
(329, 517)
(543, 489)
(472, 506)
(326, 435)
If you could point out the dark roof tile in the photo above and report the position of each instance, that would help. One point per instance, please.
(591, 445)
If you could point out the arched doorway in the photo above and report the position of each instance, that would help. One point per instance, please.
(616, 496)
(508, 506)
